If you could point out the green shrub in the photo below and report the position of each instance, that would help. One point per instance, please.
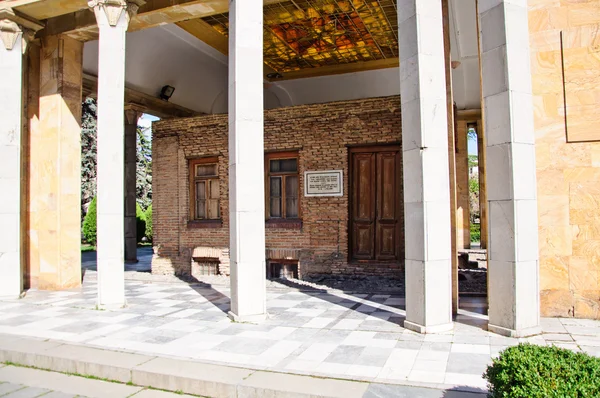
(475, 232)
(89, 224)
(140, 222)
(531, 371)
(148, 216)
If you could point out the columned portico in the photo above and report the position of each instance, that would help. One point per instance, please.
(113, 19)
(511, 177)
(426, 172)
(246, 160)
(132, 115)
(15, 31)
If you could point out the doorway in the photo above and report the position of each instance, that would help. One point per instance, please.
(375, 204)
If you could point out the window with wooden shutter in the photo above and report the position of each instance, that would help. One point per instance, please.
(204, 189)
(282, 185)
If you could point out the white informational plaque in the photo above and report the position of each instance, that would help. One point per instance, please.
(323, 183)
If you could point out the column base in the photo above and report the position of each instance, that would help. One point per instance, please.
(12, 297)
(526, 332)
(415, 327)
(247, 318)
(111, 307)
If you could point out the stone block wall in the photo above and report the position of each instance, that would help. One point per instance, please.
(320, 133)
(52, 152)
(567, 32)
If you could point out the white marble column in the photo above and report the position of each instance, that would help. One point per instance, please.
(513, 291)
(246, 161)
(14, 33)
(425, 161)
(112, 18)
(132, 115)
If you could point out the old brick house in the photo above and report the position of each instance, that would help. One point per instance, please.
(310, 230)
(357, 166)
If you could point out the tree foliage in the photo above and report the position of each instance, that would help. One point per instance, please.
(89, 162)
(473, 161)
(148, 216)
(144, 168)
(474, 186)
(89, 224)
(475, 232)
(88, 152)
(473, 189)
(472, 134)
(140, 222)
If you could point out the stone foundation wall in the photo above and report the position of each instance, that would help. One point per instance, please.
(567, 152)
(320, 133)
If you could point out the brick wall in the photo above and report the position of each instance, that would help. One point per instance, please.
(320, 133)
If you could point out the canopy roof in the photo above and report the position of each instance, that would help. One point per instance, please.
(339, 49)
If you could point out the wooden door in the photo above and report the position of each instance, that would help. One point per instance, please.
(375, 204)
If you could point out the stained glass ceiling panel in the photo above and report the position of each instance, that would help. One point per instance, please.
(300, 34)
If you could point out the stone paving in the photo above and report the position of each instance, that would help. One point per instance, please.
(313, 332)
(19, 382)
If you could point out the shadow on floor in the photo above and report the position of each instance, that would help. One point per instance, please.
(363, 305)
(144, 264)
(207, 291)
(400, 391)
(473, 310)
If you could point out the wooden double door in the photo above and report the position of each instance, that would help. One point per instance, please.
(375, 204)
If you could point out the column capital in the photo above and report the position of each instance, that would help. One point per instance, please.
(133, 112)
(113, 9)
(12, 24)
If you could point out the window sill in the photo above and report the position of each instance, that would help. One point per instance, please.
(284, 223)
(205, 224)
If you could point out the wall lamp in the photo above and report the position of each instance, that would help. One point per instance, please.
(166, 92)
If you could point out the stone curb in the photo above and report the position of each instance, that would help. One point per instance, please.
(171, 374)
(188, 376)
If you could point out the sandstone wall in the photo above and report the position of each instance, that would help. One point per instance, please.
(568, 152)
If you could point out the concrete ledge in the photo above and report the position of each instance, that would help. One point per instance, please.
(190, 377)
(289, 385)
(67, 358)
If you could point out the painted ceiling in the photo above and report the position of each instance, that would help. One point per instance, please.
(301, 34)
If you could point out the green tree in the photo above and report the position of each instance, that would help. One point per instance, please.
(474, 186)
(88, 152)
(148, 216)
(89, 163)
(472, 134)
(89, 224)
(473, 161)
(144, 168)
(140, 222)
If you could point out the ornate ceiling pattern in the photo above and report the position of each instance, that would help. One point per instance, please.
(300, 34)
